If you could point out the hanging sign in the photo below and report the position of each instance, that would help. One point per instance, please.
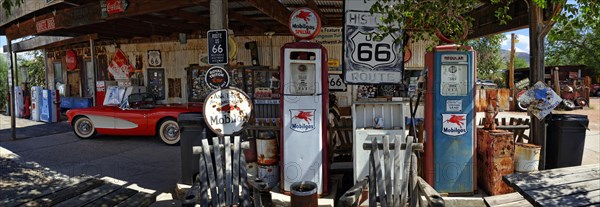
(217, 47)
(112, 7)
(304, 24)
(45, 25)
(226, 111)
(71, 60)
(454, 124)
(154, 59)
(541, 100)
(217, 77)
(367, 59)
(119, 67)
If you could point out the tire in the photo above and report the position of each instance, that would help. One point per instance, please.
(581, 101)
(521, 107)
(598, 92)
(168, 131)
(569, 105)
(84, 127)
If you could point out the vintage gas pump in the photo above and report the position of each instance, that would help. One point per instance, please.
(36, 101)
(49, 112)
(450, 147)
(304, 105)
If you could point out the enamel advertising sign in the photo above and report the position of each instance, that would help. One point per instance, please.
(454, 124)
(302, 120)
(369, 60)
(304, 23)
(226, 111)
(71, 60)
(119, 66)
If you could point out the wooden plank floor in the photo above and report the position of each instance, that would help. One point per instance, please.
(89, 192)
(511, 199)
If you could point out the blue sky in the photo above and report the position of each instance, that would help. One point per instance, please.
(522, 43)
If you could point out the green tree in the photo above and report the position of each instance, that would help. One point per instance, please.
(575, 42)
(8, 5)
(424, 18)
(36, 70)
(488, 55)
(3, 83)
(520, 63)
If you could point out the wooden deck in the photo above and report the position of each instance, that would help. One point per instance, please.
(91, 191)
(571, 186)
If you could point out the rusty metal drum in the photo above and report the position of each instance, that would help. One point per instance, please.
(304, 194)
(266, 149)
(269, 173)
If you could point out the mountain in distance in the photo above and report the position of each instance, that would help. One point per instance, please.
(505, 54)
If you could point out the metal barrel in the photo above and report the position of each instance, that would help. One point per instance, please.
(304, 194)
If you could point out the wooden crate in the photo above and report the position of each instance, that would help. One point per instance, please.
(495, 152)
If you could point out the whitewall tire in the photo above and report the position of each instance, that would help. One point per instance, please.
(84, 127)
(168, 131)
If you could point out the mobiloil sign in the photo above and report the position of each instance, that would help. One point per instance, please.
(450, 148)
(304, 105)
(227, 110)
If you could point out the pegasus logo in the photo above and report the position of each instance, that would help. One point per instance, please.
(304, 15)
(304, 115)
(458, 120)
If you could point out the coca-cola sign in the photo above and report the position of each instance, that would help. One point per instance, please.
(71, 60)
(112, 7)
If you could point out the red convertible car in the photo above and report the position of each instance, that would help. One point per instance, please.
(138, 115)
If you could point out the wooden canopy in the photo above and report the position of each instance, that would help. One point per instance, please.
(146, 19)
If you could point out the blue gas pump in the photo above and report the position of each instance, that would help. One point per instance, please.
(450, 159)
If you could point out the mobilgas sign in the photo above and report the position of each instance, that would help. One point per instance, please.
(304, 23)
(454, 124)
(302, 120)
(368, 59)
(227, 110)
(217, 77)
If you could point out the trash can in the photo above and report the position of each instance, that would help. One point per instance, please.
(192, 130)
(565, 140)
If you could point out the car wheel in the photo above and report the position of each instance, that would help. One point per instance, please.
(521, 106)
(598, 92)
(84, 128)
(569, 105)
(169, 132)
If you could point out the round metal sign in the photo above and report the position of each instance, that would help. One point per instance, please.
(226, 111)
(217, 77)
(71, 60)
(304, 23)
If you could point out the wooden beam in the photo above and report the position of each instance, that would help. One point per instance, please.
(74, 40)
(89, 14)
(189, 16)
(23, 10)
(246, 20)
(313, 5)
(34, 43)
(273, 9)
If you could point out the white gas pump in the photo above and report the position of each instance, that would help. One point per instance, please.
(36, 102)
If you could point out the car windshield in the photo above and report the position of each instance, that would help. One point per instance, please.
(138, 100)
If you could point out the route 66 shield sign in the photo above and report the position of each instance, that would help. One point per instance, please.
(371, 52)
(154, 59)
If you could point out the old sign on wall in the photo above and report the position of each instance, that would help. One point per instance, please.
(368, 59)
(217, 47)
(217, 77)
(154, 58)
(227, 110)
(71, 60)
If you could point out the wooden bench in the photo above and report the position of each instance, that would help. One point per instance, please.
(506, 200)
(516, 125)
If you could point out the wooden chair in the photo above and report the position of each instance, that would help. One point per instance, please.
(222, 173)
(340, 140)
(392, 188)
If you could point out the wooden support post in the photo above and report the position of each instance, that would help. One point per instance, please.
(11, 82)
(537, 71)
(218, 14)
(511, 66)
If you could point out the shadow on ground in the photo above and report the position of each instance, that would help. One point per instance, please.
(36, 130)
